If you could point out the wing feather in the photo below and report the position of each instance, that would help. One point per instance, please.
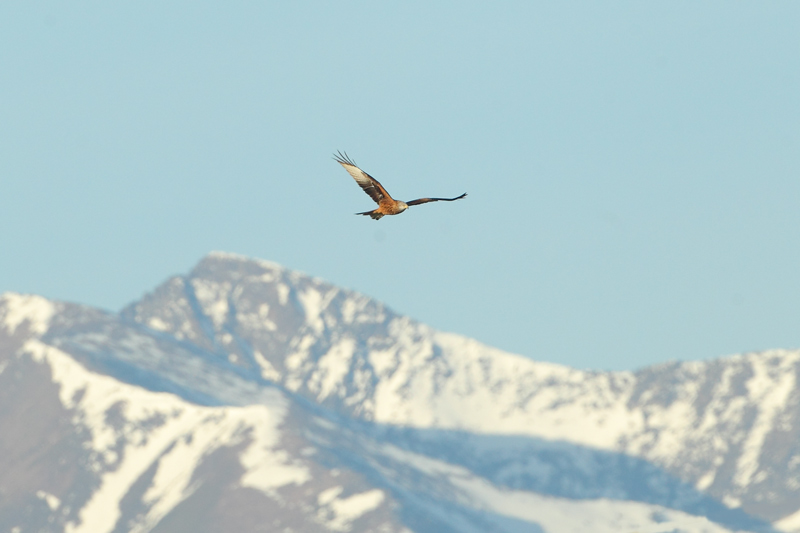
(426, 200)
(370, 185)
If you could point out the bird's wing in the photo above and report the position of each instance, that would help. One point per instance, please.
(426, 200)
(370, 185)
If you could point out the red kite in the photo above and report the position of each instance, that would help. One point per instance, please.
(386, 204)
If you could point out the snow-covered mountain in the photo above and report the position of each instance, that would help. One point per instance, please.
(247, 397)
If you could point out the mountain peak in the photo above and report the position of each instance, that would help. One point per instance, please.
(230, 258)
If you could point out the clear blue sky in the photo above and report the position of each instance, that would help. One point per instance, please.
(633, 168)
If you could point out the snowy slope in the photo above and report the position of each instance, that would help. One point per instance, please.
(728, 427)
(245, 396)
(153, 462)
(130, 459)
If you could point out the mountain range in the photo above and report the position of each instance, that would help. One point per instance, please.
(244, 396)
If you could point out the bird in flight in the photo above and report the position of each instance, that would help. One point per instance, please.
(386, 204)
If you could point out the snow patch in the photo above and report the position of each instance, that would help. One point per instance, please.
(731, 501)
(790, 524)
(258, 320)
(382, 361)
(283, 293)
(338, 514)
(213, 299)
(267, 370)
(706, 480)
(52, 501)
(332, 368)
(328, 495)
(268, 468)
(296, 359)
(348, 310)
(157, 324)
(20, 308)
(314, 303)
(352, 310)
(263, 314)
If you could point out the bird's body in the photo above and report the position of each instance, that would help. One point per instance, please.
(386, 204)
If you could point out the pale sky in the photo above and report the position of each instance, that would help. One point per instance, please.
(633, 168)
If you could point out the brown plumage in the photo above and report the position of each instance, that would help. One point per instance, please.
(386, 204)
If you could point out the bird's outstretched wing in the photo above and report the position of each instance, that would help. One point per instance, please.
(370, 185)
(426, 200)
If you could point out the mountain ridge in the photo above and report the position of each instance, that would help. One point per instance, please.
(234, 328)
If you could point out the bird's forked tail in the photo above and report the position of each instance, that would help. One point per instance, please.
(374, 214)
